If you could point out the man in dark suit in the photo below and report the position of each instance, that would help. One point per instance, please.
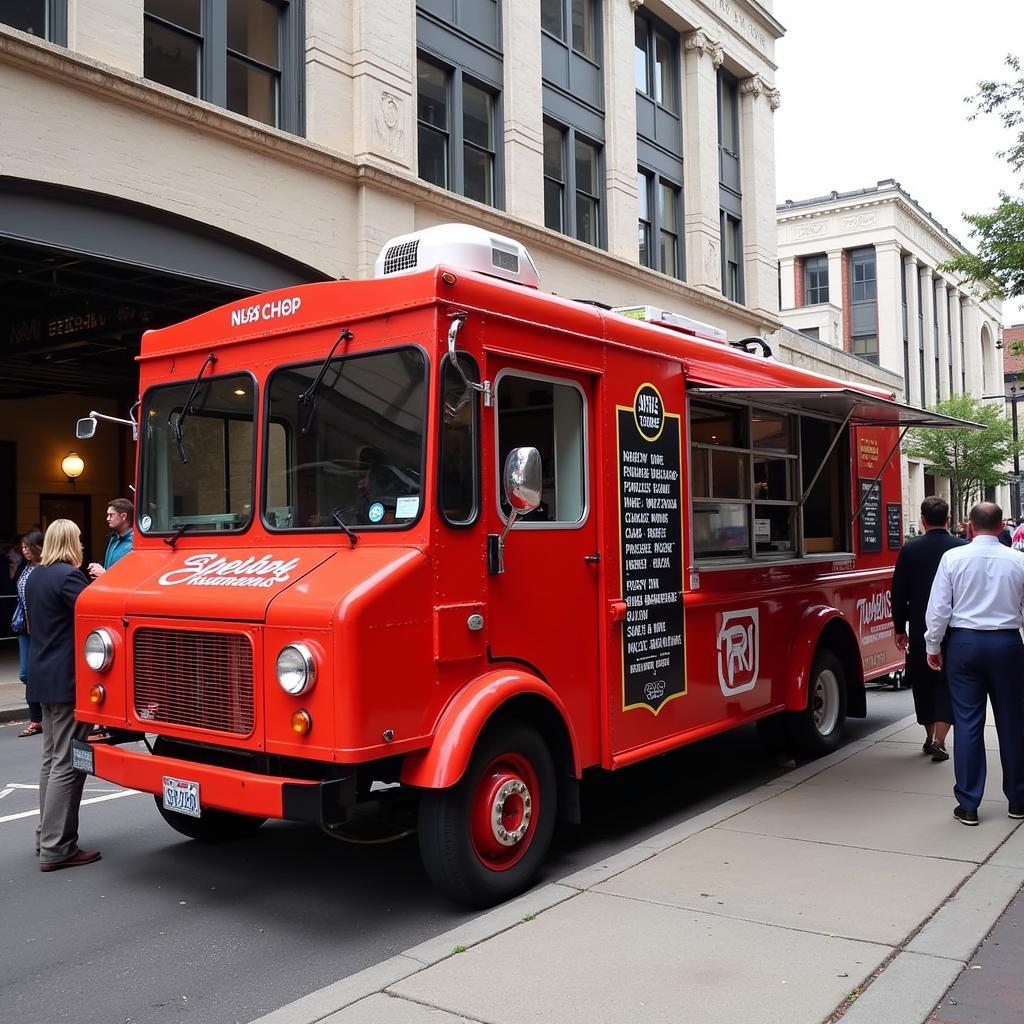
(912, 579)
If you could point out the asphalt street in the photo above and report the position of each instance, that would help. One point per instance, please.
(165, 929)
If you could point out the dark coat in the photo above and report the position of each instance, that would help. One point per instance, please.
(50, 596)
(916, 565)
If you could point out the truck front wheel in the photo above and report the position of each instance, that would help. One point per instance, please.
(818, 729)
(484, 839)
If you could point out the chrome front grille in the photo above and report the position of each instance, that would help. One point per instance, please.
(203, 680)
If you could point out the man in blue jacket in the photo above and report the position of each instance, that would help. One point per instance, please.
(120, 517)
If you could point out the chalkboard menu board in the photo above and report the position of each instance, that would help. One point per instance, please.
(894, 525)
(650, 542)
(871, 515)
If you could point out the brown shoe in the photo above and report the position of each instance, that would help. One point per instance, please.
(32, 729)
(77, 859)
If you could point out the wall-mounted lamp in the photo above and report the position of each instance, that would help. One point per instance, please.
(72, 466)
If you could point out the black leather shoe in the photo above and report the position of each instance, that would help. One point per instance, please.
(926, 747)
(939, 753)
(1015, 811)
(964, 816)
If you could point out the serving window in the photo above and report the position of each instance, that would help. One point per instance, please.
(748, 470)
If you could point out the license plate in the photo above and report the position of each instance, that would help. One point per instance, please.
(82, 757)
(181, 796)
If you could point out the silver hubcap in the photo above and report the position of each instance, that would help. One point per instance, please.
(517, 791)
(825, 701)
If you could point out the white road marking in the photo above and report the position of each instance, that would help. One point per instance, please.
(20, 785)
(92, 800)
(5, 792)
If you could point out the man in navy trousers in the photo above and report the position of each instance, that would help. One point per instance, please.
(978, 599)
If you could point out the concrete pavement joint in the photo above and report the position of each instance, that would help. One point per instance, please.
(460, 1016)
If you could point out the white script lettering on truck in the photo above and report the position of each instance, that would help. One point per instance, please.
(266, 311)
(213, 570)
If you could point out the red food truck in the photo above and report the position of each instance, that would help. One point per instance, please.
(443, 530)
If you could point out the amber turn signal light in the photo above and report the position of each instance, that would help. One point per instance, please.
(97, 694)
(301, 722)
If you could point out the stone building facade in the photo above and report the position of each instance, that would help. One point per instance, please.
(858, 271)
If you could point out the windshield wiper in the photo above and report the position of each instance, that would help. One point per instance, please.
(308, 397)
(187, 408)
(349, 532)
(173, 539)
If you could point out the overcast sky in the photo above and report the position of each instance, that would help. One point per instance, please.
(875, 89)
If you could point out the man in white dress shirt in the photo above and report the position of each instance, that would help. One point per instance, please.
(977, 605)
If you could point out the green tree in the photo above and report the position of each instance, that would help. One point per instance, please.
(972, 459)
(998, 266)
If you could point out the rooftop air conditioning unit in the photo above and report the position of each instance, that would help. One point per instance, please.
(458, 245)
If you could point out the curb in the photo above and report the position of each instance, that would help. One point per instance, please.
(13, 714)
(911, 984)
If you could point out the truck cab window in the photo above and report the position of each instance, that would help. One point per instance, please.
(353, 449)
(212, 489)
(458, 484)
(549, 416)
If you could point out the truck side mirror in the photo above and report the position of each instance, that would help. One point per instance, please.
(521, 480)
(85, 428)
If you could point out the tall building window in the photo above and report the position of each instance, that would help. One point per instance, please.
(244, 55)
(935, 333)
(949, 336)
(456, 129)
(656, 62)
(815, 280)
(47, 19)
(729, 189)
(906, 331)
(573, 22)
(863, 304)
(920, 333)
(659, 223)
(572, 89)
(732, 258)
(963, 350)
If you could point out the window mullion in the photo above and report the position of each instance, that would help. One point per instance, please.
(215, 46)
(456, 137)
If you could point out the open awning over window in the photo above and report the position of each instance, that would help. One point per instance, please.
(862, 409)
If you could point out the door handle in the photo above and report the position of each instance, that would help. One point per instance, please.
(592, 559)
(618, 610)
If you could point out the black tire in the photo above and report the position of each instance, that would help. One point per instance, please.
(213, 827)
(818, 729)
(459, 840)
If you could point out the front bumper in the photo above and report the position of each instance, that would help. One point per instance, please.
(327, 802)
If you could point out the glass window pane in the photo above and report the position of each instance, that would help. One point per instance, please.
(25, 15)
(586, 168)
(252, 91)
(728, 115)
(730, 474)
(669, 253)
(179, 12)
(433, 156)
(668, 205)
(253, 29)
(772, 479)
(640, 56)
(478, 174)
(170, 58)
(664, 76)
(551, 17)
(644, 243)
(720, 426)
(554, 205)
(457, 486)
(771, 432)
(586, 219)
(774, 530)
(554, 157)
(432, 94)
(584, 34)
(721, 530)
(477, 115)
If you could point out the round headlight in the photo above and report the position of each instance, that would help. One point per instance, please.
(99, 650)
(296, 669)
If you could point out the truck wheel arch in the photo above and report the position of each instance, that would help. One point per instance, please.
(502, 693)
(822, 625)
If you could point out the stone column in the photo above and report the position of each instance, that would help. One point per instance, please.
(522, 100)
(955, 298)
(619, 124)
(946, 385)
(889, 305)
(787, 267)
(702, 58)
(928, 398)
(972, 348)
(913, 386)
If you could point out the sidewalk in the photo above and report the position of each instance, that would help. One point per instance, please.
(12, 690)
(843, 891)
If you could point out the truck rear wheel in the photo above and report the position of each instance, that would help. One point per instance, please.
(485, 838)
(818, 729)
(213, 827)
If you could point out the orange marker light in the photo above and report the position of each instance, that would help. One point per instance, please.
(97, 694)
(301, 722)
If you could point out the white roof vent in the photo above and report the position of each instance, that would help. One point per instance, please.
(458, 245)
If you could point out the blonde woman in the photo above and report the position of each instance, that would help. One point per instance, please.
(50, 596)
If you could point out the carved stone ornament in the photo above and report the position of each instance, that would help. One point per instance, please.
(700, 41)
(712, 266)
(634, 4)
(774, 99)
(387, 122)
(753, 86)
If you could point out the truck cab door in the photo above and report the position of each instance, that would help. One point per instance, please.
(542, 610)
